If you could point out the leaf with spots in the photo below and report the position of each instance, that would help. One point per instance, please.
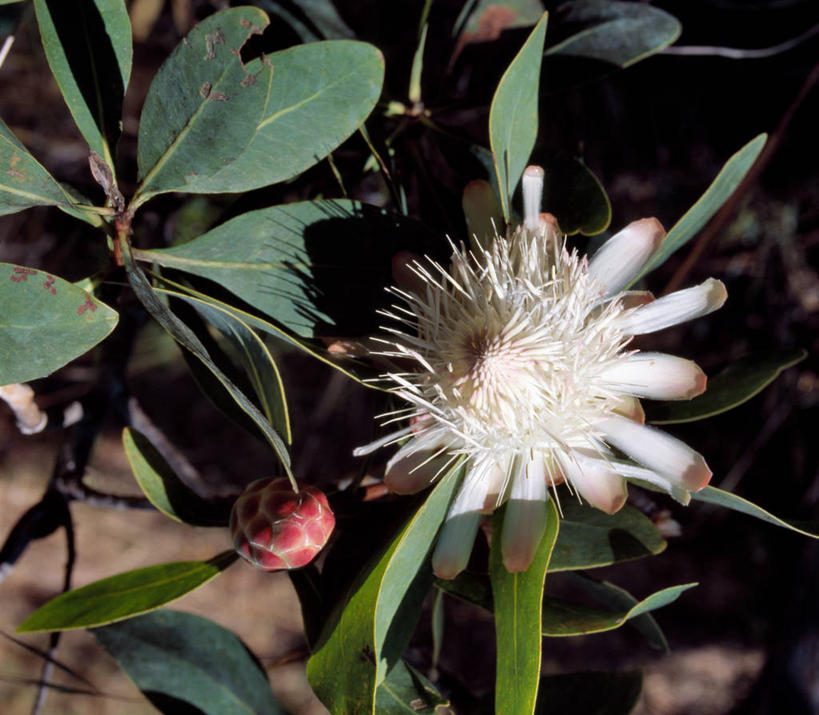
(45, 322)
(204, 105)
(321, 94)
(24, 182)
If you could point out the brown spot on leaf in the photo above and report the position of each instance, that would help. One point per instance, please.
(13, 162)
(248, 80)
(49, 285)
(244, 22)
(88, 305)
(494, 20)
(205, 89)
(217, 97)
(21, 274)
(217, 38)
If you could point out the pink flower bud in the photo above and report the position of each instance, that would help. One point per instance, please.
(274, 528)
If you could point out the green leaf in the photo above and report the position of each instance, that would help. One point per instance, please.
(88, 47)
(357, 648)
(176, 657)
(203, 107)
(25, 183)
(620, 33)
(518, 599)
(562, 618)
(614, 598)
(197, 300)
(708, 204)
(712, 495)
(310, 17)
(513, 119)
(127, 594)
(45, 322)
(257, 362)
(573, 194)
(164, 489)
(405, 690)
(589, 693)
(187, 339)
(321, 93)
(590, 538)
(314, 266)
(738, 383)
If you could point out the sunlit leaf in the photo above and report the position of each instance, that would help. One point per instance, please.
(562, 618)
(718, 497)
(25, 183)
(313, 267)
(320, 94)
(188, 340)
(708, 204)
(355, 652)
(590, 538)
(257, 363)
(518, 599)
(164, 489)
(620, 33)
(204, 105)
(513, 115)
(176, 657)
(88, 47)
(124, 595)
(45, 322)
(738, 383)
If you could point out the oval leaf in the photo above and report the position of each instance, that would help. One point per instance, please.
(45, 323)
(590, 538)
(321, 93)
(204, 105)
(712, 495)
(124, 595)
(170, 654)
(738, 383)
(518, 599)
(513, 118)
(708, 204)
(313, 266)
(88, 47)
(25, 183)
(354, 652)
(164, 489)
(620, 33)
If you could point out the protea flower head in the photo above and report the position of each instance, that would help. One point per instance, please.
(523, 367)
(274, 527)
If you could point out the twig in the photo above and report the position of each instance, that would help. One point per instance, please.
(728, 208)
(735, 53)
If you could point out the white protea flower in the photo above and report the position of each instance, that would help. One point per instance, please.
(523, 367)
